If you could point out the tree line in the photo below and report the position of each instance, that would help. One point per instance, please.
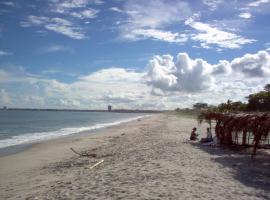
(259, 101)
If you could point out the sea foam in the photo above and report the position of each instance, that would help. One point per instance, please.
(41, 136)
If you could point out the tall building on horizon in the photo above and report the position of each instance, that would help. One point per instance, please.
(109, 108)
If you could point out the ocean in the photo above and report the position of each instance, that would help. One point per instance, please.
(20, 127)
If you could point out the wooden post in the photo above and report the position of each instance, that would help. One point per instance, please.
(248, 137)
(244, 138)
(257, 138)
(257, 141)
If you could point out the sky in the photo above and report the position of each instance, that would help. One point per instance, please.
(132, 54)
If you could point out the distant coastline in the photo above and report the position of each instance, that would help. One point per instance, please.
(83, 110)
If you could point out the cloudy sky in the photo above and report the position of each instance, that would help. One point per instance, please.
(154, 54)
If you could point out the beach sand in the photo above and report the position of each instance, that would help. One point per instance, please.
(143, 159)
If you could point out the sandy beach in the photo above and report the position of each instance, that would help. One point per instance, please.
(144, 159)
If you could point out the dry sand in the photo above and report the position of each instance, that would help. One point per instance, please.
(143, 159)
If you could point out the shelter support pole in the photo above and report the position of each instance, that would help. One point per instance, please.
(255, 148)
(244, 138)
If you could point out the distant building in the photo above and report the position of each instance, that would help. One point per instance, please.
(109, 108)
(4, 108)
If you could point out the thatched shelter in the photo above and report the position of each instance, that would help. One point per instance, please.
(245, 129)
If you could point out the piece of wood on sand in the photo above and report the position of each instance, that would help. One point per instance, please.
(98, 163)
(84, 154)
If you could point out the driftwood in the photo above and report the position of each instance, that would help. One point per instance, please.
(84, 154)
(98, 163)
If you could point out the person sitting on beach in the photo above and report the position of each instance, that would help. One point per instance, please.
(208, 138)
(193, 135)
(213, 143)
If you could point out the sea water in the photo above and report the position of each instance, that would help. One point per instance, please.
(18, 127)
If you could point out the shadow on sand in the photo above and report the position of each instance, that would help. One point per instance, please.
(251, 172)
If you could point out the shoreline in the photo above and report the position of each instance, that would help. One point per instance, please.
(17, 148)
(142, 159)
(58, 148)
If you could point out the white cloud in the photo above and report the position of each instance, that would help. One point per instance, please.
(258, 3)
(168, 83)
(116, 9)
(5, 53)
(125, 88)
(65, 6)
(160, 73)
(85, 14)
(245, 15)
(113, 75)
(167, 36)
(148, 19)
(55, 24)
(33, 100)
(208, 35)
(55, 48)
(5, 76)
(222, 68)
(51, 71)
(267, 46)
(4, 98)
(183, 75)
(65, 27)
(69, 17)
(8, 3)
(212, 4)
(255, 7)
(155, 13)
(193, 75)
(253, 65)
(75, 8)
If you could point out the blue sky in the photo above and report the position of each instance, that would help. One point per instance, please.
(152, 54)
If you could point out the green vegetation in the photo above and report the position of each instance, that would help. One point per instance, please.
(259, 101)
(186, 112)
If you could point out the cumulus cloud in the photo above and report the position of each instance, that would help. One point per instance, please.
(160, 73)
(125, 88)
(208, 35)
(253, 65)
(222, 68)
(184, 74)
(167, 83)
(194, 75)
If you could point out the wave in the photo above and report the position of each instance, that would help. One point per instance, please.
(41, 136)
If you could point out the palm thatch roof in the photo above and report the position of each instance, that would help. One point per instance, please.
(232, 126)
